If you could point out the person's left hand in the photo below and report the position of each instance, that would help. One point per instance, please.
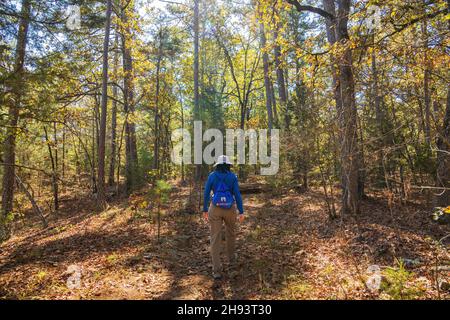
(241, 218)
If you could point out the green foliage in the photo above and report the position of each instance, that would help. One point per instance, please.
(161, 191)
(424, 159)
(36, 284)
(11, 216)
(296, 288)
(398, 283)
(112, 259)
(160, 195)
(60, 229)
(145, 164)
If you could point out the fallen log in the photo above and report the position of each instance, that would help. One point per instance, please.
(248, 188)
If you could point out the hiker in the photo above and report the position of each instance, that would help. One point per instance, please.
(224, 184)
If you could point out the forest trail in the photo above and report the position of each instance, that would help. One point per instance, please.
(287, 249)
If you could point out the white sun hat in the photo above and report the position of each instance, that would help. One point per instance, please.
(223, 160)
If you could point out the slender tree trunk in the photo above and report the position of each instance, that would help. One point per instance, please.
(298, 82)
(243, 111)
(55, 139)
(280, 80)
(182, 127)
(379, 118)
(104, 110)
(331, 27)
(119, 159)
(376, 97)
(426, 85)
(274, 104)
(54, 171)
(287, 115)
(156, 118)
(112, 162)
(196, 79)
(9, 146)
(92, 162)
(63, 169)
(266, 76)
(286, 84)
(96, 124)
(131, 159)
(362, 169)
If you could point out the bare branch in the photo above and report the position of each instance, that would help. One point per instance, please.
(319, 11)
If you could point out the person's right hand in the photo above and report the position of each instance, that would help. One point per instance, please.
(205, 216)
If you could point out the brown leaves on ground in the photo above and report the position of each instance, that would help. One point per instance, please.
(287, 249)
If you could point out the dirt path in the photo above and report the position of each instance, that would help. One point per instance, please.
(287, 249)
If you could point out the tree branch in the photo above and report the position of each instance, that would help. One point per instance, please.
(319, 11)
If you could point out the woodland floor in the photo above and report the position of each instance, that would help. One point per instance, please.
(287, 249)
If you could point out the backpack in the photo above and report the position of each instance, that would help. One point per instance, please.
(222, 197)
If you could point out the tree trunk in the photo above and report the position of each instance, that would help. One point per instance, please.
(344, 96)
(280, 80)
(131, 159)
(63, 169)
(331, 36)
(426, 85)
(9, 146)
(54, 171)
(376, 99)
(112, 162)
(349, 145)
(156, 118)
(182, 127)
(350, 156)
(196, 79)
(274, 104)
(104, 110)
(55, 139)
(94, 140)
(266, 76)
(331, 27)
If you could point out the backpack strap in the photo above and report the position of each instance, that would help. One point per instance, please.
(222, 179)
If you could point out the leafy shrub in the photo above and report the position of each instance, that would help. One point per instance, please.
(398, 283)
(160, 195)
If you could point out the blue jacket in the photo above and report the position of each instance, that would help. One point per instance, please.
(230, 180)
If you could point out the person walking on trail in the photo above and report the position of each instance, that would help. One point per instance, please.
(226, 196)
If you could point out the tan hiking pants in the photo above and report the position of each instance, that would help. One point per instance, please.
(216, 216)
